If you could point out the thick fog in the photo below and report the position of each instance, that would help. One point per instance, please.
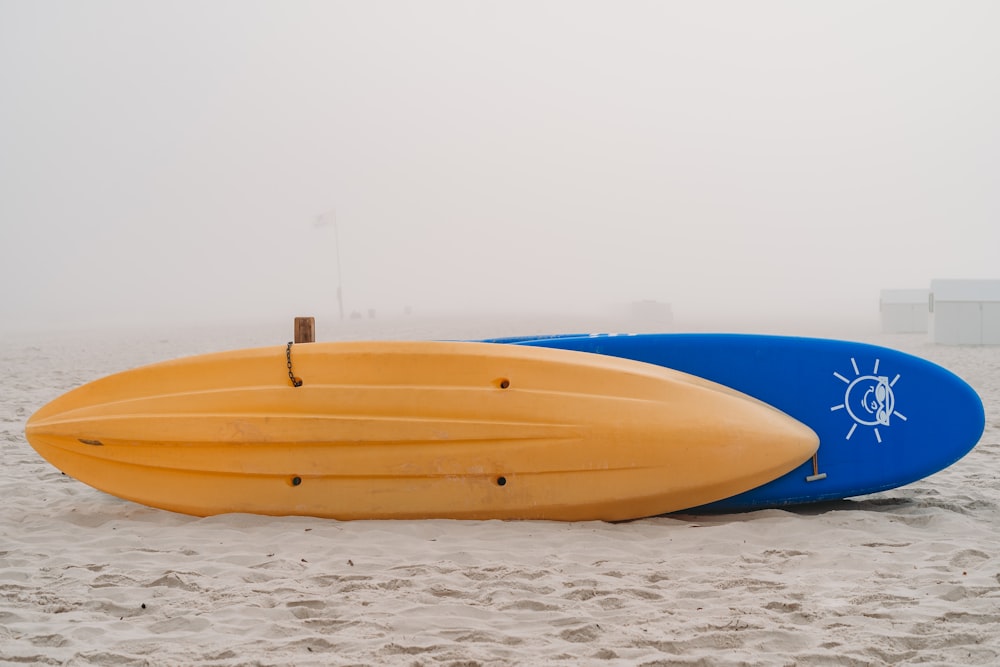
(201, 161)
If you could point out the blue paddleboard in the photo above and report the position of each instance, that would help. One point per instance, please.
(884, 418)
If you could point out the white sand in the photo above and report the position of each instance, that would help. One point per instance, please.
(909, 576)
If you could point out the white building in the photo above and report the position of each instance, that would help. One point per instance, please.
(965, 312)
(904, 310)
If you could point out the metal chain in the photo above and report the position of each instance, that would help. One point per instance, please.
(296, 382)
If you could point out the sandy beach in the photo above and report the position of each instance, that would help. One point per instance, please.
(907, 576)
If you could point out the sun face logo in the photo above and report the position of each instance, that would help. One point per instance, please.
(869, 400)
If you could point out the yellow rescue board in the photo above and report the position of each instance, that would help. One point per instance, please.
(408, 430)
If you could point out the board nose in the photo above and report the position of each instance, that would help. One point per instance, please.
(785, 439)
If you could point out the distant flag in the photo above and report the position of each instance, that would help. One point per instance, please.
(325, 219)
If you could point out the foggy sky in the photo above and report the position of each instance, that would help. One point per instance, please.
(167, 161)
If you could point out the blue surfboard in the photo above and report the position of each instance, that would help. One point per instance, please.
(885, 418)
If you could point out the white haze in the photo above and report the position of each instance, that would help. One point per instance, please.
(166, 161)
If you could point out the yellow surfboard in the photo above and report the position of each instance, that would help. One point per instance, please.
(407, 430)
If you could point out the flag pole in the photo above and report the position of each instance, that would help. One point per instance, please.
(323, 220)
(336, 244)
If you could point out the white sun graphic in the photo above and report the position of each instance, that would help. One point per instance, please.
(869, 400)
